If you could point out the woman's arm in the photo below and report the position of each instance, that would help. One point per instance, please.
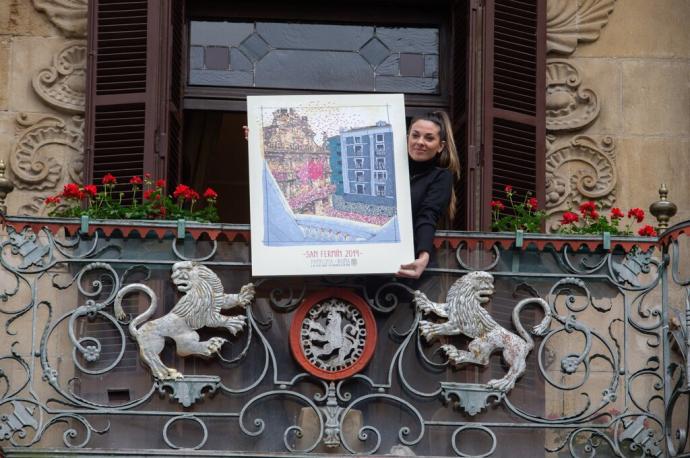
(433, 206)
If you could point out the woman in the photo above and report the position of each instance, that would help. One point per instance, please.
(434, 167)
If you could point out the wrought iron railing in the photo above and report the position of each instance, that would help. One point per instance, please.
(589, 332)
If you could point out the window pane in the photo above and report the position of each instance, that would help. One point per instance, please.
(314, 56)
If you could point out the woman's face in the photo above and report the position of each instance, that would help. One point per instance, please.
(424, 140)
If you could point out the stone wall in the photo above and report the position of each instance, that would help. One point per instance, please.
(618, 104)
(42, 63)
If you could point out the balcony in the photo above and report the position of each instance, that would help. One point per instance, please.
(594, 330)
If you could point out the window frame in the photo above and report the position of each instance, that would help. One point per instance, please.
(406, 13)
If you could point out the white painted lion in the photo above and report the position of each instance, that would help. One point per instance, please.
(465, 315)
(199, 307)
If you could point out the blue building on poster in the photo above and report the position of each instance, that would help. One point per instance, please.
(362, 165)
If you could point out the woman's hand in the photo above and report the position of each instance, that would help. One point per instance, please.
(416, 268)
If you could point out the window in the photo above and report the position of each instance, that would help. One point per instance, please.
(359, 176)
(358, 149)
(379, 137)
(380, 176)
(360, 189)
(359, 162)
(381, 190)
(380, 163)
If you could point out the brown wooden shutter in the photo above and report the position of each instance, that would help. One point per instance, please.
(514, 132)
(130, 118)
(463, 24)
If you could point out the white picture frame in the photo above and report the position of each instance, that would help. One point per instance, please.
(319, 202)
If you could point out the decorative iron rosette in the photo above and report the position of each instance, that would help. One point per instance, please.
(333, 334)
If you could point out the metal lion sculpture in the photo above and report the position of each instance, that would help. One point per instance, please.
(199, 307)
(465, 315)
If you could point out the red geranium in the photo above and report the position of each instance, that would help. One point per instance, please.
(90, 190)
(509, 188)
(52, 200)
(569, 218)
(180, 191)
(109, 178)
(210, 194)
(616, 213)
(636, 213)
(71, 191)
(532, 203)
(647, 231)
(589, 209)
(147, 175)
(135, 180)
(191, 195)
(147, 194)
(497, 205)
(160, 183)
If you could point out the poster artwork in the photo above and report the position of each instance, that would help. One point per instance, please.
(329, 185)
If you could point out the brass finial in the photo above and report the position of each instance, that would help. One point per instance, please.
(6, 187)
(663, 209)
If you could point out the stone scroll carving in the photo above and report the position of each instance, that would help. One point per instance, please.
(569, 106)
(571, 21)
(62, 86)
(67, 15)
(464, 314)
(577, 168)
(48, 151)
(581, 169)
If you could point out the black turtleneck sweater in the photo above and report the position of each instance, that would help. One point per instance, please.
(430, 190)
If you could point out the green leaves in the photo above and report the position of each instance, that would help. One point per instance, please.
(517, 215)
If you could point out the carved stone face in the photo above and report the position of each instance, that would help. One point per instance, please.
(484, 286)
(182, 275)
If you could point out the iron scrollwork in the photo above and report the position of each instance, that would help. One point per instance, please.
(599, 341)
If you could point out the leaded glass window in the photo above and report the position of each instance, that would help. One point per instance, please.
(314, 56)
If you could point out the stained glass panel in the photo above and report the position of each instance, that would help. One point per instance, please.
(314, 56)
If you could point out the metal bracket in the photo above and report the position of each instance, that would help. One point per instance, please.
(180, 228)
(84, 224)
(519, 238)
(607, 241)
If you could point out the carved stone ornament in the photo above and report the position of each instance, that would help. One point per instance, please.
(463, 314)
(199, 307)
(571, 21)
(580, 170)
(568, 106)
(45, 150)
(333, 334)
(67, 15)
(63, 85)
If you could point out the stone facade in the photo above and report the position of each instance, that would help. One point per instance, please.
(619, 75)
(42, 88)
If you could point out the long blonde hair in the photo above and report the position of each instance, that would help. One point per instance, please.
(449, 155)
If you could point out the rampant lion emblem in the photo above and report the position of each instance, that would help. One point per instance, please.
(465, 315)
(200, 306)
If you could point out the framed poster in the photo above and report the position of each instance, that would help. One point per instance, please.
(329, 185)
